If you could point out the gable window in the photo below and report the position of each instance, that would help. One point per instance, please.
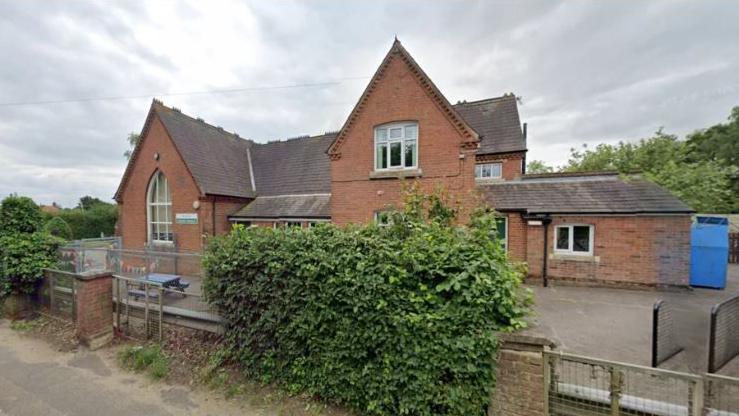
(159, 210)
(396, 146)
(489, 171)
(574, 239)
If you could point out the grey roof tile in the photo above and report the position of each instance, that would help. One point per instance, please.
(497, 122)
(217, 159)
(287, 206)
(606, 194)
(294, 166)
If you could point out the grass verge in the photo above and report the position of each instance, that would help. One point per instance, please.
(145, 358)
(24, 326)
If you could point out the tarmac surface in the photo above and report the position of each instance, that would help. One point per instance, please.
(36, 379)
(616, 324)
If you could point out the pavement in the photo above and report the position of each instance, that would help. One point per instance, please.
(616, 324)
(36, 379)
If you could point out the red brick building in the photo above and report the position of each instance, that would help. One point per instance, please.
(188, 180)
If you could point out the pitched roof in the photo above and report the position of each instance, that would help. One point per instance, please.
(584, 194)
(287, 206)
(497, 122)
(216, 159)
(294, 166)
(397, 50)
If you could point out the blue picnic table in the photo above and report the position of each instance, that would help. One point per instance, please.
(169, 281)
(164, 280)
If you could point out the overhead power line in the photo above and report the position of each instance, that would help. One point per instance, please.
(173, 94)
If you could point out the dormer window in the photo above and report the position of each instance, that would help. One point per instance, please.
(396, 146)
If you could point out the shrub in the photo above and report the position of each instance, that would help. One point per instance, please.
(22, 258)
(57, 227)
(397, 320)
(148, 358)
(92, 222)
(19, 214)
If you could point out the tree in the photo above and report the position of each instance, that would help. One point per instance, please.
(87, 202)
(538, 166)
(57, 227)
(719, 143)
(133, 140)
(24, 249)
(701, 170)
(19, 214)
(705, 186)
(645, 155)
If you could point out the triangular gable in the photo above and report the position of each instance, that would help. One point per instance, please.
(136, 151)
(398, 51)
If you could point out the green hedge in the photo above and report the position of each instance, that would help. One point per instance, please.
(91, 222)
(397, 320)
(24, 249)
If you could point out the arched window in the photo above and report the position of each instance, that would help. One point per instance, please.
(159, 210)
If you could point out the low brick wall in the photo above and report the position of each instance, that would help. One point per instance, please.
(520, 389)
(85, 298)
(94, 308)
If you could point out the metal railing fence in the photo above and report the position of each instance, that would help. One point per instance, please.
(665, 343)
(723, 342)
(583, 386)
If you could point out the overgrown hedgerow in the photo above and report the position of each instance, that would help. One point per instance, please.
(397, 320)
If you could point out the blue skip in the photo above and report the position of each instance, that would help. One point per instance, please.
(709, 252)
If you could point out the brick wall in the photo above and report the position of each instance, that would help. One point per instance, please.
(632, 250)
(218, 207)
(184, 192)
(398, 97)
(519, 383)
(94, 308)
(512, 163)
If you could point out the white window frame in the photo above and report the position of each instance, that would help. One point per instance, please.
(480, 167)
(376, 218)
(571, 240)
(403, 140)
(152, 202)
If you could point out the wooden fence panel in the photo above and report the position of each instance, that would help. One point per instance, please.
(734, 248)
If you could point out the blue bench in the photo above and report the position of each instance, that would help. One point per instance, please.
(139, 293)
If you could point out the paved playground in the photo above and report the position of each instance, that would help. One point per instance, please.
(616, 324)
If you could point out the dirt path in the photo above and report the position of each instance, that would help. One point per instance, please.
(36, 379)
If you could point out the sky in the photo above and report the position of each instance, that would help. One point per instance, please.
(76, 77)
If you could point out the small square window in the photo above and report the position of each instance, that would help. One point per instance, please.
(489, 171)
(574, 239)
(383, 218)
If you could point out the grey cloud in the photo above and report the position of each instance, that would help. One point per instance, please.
(587, 71)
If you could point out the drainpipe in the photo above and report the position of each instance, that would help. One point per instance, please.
(213, 217)
(545, 222)
(525, 137)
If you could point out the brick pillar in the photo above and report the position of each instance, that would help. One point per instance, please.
(94, 308)
(519, 387)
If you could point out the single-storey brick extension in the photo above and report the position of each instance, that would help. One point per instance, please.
(187, 180)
